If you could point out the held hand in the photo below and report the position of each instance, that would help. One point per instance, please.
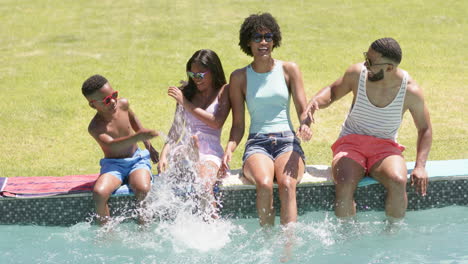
(176, 93)
(419, 180)
(153, 154)
(311, 108)
(224, 168)
(304, 132)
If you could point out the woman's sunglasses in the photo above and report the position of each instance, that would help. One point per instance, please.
(257, 37)
(198, 75)
(107, 100)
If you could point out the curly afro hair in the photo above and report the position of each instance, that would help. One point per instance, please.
(255, 23)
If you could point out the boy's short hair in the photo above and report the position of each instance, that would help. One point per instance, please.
(92, 84)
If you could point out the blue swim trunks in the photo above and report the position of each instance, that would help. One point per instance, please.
(122, 168)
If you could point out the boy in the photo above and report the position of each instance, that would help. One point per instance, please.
(117, 130)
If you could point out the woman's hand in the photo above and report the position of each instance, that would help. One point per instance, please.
(304, 132)
(224, 168)
(177, 94)
(162, 165)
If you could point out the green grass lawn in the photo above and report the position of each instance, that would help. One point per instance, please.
(48, 48)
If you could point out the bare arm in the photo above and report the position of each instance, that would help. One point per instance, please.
(237, 99)
(420, 114)
(120, 144)
(335, 91)
(137, 127)
(296, 85)
(215, 120)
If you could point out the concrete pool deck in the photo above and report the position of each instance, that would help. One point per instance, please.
(448, 186)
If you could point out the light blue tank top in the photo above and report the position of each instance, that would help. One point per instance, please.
(268, 100)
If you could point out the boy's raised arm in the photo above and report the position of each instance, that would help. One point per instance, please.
(138, 127)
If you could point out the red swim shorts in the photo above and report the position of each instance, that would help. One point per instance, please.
(365, 150)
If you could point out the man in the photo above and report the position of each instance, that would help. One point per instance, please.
(382, 92)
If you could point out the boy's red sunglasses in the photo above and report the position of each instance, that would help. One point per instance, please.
(109, 98)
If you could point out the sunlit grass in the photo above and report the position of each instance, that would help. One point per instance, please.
(48, 48)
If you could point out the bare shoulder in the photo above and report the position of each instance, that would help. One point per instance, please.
(291, 70)
(351, 76)
(238, 81)
(238, 75)
(223, 92)
(123, 104)
(290, 66)
(413, 90)
(412, 86)
(354, 70)
(95, 126)
(224, 89)
(414, 98)
(414, 102)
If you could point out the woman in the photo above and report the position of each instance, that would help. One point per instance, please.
(202, 108)
(273, 150)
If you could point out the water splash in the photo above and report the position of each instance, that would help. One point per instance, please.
(180, 209)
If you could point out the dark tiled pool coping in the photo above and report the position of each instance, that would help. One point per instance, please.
(238, 201)
(448, 186)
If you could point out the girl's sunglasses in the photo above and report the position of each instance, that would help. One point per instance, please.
(107, 100)
(257, 37)
(198, 75)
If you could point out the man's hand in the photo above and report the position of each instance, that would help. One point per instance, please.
(419, 180)
(312, 106)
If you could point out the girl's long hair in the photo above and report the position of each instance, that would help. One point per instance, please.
(210, 60)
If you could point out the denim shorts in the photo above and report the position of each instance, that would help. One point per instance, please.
(273, 145)
(122, 168)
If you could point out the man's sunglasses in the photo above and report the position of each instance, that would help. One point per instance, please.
(369, 63)
(257, 37)
(198, 75)
(107, 100)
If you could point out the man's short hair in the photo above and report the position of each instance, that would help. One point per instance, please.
(92, 84)
(389, 48)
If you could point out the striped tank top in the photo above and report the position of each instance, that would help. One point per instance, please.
(364, 118)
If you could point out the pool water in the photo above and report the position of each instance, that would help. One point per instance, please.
(427, 236)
